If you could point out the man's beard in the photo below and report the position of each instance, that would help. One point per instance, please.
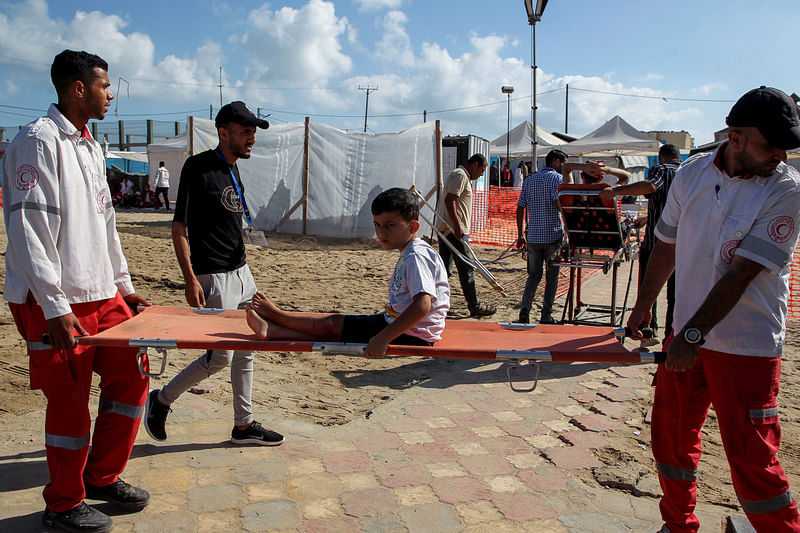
(751, 166)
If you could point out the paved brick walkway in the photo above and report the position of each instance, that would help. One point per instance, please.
(460, 452)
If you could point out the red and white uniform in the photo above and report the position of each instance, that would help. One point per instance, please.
(710, 217)
(64, 255)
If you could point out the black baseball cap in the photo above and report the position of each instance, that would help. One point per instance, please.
(772, 112)
(239, 113)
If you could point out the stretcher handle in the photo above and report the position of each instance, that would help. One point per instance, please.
(136, 309)
(46, 340)
(647, 333)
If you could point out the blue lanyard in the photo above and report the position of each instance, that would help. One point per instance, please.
(238, 190)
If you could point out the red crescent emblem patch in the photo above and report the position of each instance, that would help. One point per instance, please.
(726, 252)
(780, 229)
(27, 178)
(101, 200)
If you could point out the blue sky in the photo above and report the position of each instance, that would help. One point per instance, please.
(686, 60)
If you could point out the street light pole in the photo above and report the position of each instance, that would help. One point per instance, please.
(508, 91)
(534, 9)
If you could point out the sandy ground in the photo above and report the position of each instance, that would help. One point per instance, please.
(315, 274)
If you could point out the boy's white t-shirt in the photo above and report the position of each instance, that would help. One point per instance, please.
(420, 269)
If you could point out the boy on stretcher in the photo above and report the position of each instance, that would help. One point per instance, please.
(419, 294)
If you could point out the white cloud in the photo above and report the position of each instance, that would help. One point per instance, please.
(593, 100)
(10, 89)
(395, 45)
(376, 5)
(709, 88)
(33, 38)
(296, 46)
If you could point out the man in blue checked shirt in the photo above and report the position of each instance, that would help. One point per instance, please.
(539, 197)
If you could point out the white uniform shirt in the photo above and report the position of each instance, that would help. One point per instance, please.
(161, 178)
(710, 217)
(62, 239)
(420, 269)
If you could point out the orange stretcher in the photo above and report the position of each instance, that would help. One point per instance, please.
(162, 327)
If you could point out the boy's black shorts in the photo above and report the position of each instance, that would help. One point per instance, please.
(361, 328)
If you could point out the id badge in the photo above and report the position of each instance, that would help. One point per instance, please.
(257, 238)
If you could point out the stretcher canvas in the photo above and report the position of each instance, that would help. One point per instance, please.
(470, 339)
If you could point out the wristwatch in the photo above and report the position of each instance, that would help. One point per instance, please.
(692, 335)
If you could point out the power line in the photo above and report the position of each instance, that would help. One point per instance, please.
(664, 98)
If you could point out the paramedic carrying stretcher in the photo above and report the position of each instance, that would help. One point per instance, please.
(66, 275)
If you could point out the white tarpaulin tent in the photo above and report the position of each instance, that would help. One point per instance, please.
(198, 137)
(325, 189)
(615, 137)
(140, 157)
(520, 139)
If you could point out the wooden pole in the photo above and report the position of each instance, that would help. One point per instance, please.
(305, 177)
(190, 126)
(438, 156)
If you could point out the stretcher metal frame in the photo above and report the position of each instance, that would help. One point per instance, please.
(596, 239)
(443, 229)
(164, 327)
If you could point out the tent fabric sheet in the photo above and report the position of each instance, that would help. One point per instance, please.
(614, 137)
(346, 171)
(520, 139)
(185, 328)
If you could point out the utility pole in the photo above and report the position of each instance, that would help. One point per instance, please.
(566, 111)
(367, 90)
(220, 85)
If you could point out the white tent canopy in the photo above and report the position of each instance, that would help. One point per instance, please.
(520, 139)
(615, 137)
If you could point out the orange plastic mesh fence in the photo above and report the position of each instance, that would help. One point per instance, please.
(495, 224)
(494, 216)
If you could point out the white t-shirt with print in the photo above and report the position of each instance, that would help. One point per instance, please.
(420, 269)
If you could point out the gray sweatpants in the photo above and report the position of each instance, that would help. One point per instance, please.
(227, 290)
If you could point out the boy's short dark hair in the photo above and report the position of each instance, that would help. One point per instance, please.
(554, 155)
(397, 200)
(69, 66)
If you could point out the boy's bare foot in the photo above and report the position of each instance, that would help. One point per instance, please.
(259, 326)
(264, 306)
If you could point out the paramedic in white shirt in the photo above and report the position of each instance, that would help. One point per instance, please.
(728, 230)
(66, 275)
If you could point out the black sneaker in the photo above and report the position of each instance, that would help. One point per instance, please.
(256, 434)
(156, 417)
(524, 316)
(547, 320)
(80, 519)
(121, 494)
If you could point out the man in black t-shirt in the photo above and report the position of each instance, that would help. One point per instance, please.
(207, 234)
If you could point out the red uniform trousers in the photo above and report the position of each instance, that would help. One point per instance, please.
(743, 391)
(65, 377)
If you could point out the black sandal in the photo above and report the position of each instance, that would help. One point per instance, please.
(483, 310)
